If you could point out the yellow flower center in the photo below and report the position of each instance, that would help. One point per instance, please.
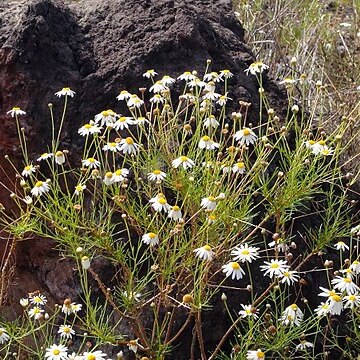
(207, 248)
(16, 108)
(321, 142)
(79, 188)
(36, 310)
(176, 208)
(235, 266)
(66, 330)
(59, 153)
(66, 89)
(205, 138)
(332, 293)
(105, 113)
(212, 217)
(112, 144)
(91, 160)
(152, 235)
(1, 332)
(311, 142)
(122, 119)
(162, 201)
(286, 274)
(118, 172)
(274, 266)
(129, 140)
(240, 165)
(39, 184)
(156, 172)
(91, 357)
(348, 280)
(211, 198)
(109, 175)
(260, 355)
(336, 298)
(326, 152)
(245, 252)
(352, 297)
(184, 158)
(246, 132)
(87, 126)
(294, 307)
(56, 352)
(27, 168)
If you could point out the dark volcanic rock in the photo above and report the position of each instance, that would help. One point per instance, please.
(98, 48)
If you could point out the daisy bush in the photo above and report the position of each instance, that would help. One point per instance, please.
(193, 208)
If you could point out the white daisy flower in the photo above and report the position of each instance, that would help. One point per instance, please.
(159, 203)
(156, 175)
(89, 129)
(94, 355)
(355, 266)
(327, 151)
(40, 188)
(150, 239)
(345, 284)
(322, 309)
(234, 270)
(124, 95)
(226, 74)
(36, 313)
(292, 315)
(75, 308)
(141, 121)
(351, 301)
(175, 213)
(245, 137)
(183, 161)
(211, 122)
(69, 308)
(248, 311)
(212, 76)
(187, 76)
(134, 101)
(16, 111)
(208, 203)
(256, 68)
(45, 156)
(326, 292)
(24, 302)
(195, 83)
(167, 80)
(91, 162)
(158, 87)
(38, 299)
(204, 253)
(59, 157)
(4, 336)
(317, 147)
(106, 117)
(335, 304)
(239, 168)
(304, 345)
(28, 170)
(128, 146)
(66, 91)
(79, 189)
(56, 352)
(340, 245)
(289, 277)
(157, 99)
(211, 95)
(123, 122)
(208, 144)
(66, 331)
(223, 99)
(111, 146)
(255, 355)
(274, 267)
(349, 272)
(245, 253)
(120, 175)
(108, 178)
(150, 73)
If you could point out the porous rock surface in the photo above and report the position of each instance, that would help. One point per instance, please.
(98, 48)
